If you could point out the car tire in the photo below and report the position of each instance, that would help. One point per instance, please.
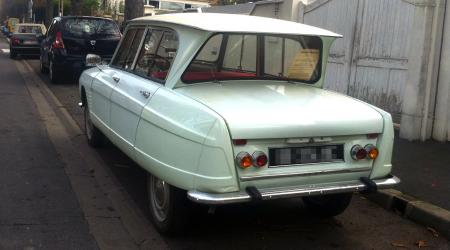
(12, 54)
(43, 68)
(53, 73)
(327, 205)
(94, 136)
(168, 205)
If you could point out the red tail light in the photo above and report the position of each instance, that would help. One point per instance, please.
(358, 152)
(58, 43)
(15, 41)
(259, 159)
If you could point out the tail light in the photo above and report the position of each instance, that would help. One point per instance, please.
(372, 151)
(58, 43)
(244, 160)
(358, 152)
(15, 41)
(259, 159)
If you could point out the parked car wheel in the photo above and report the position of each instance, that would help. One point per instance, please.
(94, 136)
(12, 54)
(327, 205)
(53, 73)
(43, 68)
(168, 206)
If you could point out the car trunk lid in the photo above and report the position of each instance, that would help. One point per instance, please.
(256, 110)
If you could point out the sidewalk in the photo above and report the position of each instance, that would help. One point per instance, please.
(424, 168)
(39, 209)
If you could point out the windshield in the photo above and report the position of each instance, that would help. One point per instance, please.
(91, 28)
(250, 56)
(26, 29)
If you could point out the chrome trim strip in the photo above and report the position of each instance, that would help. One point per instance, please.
(306, 164)
(317, 172)
(289, 192)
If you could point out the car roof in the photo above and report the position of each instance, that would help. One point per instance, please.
(30, 24)
(83, 17)
(237, 23)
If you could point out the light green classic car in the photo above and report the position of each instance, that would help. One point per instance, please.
(222, 108)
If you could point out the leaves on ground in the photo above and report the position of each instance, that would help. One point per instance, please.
(398, 244)
(433, 231)
(421, 243)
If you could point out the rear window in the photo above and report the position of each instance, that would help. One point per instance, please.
(22, 29)
(91, 28)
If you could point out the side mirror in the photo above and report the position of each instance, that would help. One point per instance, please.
(93, 60)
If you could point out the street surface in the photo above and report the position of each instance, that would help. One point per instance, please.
(50, 177)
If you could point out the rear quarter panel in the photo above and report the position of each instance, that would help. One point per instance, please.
(185, 143)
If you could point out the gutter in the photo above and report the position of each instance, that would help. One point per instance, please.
(428, 84)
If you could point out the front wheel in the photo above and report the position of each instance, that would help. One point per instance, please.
(327, 205)
(94, 136)
(169, 206)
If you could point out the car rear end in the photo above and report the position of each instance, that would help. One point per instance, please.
(26, 40)
(79, 36)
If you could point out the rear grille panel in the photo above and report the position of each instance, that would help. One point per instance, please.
(279, 157)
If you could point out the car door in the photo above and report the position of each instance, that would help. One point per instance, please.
(128, 95)
(140, 84)
(107, 79)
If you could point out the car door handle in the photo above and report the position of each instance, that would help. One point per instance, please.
(146, 94)
(116, 78)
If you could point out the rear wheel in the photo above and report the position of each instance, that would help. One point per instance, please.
(94, 136)
(53, 73)
(327, 205)
(43, 68)
(12, 54)
(169, 206)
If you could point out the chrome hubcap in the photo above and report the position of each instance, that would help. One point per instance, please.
(159, 197)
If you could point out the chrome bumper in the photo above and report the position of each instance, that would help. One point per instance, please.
(291, 192)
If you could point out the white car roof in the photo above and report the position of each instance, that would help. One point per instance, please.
(238, 23)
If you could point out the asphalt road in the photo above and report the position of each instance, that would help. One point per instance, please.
(273, 225)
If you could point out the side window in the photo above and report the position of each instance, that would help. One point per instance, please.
(157, 54)
(127, 51)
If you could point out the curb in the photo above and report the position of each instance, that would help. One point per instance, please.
(416, 210)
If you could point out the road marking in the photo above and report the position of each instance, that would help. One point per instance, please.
(5, 50)
(63, 131)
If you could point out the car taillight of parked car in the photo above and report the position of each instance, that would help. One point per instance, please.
(58, 43)
(15, 41)
(369, 152)
(245, 160)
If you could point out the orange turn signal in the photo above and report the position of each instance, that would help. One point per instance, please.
(372, 151)
(244, 160)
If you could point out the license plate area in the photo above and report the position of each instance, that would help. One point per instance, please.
(288, 156)
(30, 42)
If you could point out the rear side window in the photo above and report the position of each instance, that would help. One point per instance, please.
(90, 28)
(157, 54)
(127, 52)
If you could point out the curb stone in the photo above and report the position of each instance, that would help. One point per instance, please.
(416, 210)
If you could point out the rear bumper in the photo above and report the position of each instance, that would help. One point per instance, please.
(72, 63)
(291, 192)
(31, 50)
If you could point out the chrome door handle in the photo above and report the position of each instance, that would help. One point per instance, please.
(146, 94)
(116, 78)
